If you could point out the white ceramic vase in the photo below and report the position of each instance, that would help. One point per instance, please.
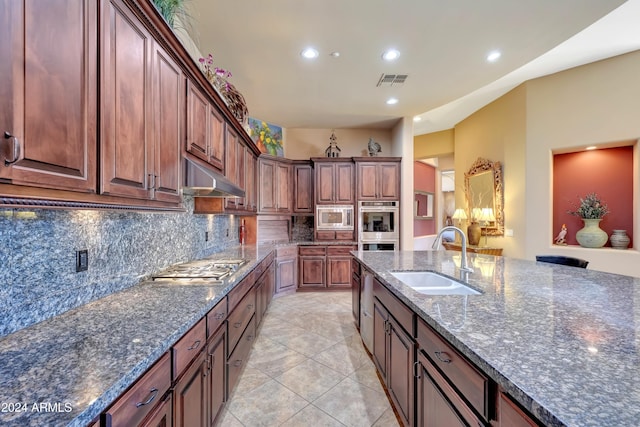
(591, 235)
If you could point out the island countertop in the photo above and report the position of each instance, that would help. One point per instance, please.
(562, 341)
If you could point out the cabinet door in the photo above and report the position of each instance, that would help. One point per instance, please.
(126, 145)
(324, 184)
(198, 127)
(286, 274)
(217, 374)
(339, 271)
(162, 415)
(367, 179)
(231, 164)
(215, 140)
(191, 395)
(267, 195)
(380, 348)
(389, 181)
(302, 189)
(355, 297)
(344, 183)
(48, 93)
(168, 104)
(510, 415)
(312, 271)
(400, 370)
(250, 180)
(434, 410)
(283, 187)
(437, 403)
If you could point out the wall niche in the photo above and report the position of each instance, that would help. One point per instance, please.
(606, 171)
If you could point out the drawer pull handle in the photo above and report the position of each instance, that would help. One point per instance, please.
(219, 316)
(250, 307)
(444, 359)
(154, 393)
(16, 149)
(237, 363)
(195, 345)
(237, 324)
(249, 338)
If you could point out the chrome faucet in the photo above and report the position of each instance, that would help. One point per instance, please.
(464, 266)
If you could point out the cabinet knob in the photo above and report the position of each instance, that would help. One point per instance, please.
(16, 149)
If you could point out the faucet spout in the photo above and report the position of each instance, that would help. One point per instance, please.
(464, 266)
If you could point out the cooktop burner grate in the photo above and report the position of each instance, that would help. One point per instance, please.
(204, 269)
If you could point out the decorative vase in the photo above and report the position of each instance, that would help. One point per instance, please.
(619, 239)
(474, 232)
(591, 235)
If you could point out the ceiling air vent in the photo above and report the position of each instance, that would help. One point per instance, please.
(391, 79)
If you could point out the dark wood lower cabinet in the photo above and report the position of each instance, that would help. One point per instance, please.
(338, 271)
(162, 415)
(217, 376)
(511, 415)
(191, 394)
(393, 354)
(312, 271)
(434, 408)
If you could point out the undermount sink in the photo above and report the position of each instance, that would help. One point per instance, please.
(430, 283)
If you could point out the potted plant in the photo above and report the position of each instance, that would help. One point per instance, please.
(591, 210)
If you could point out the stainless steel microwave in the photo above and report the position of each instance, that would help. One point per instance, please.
(334, 217)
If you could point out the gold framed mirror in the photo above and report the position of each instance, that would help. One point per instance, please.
(485, 200)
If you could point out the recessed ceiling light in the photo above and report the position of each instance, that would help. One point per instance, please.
(391, 55)
(334, 54)
(417, 118)
(494, 55)
(591, 147)
(309, 53)
(392, 101)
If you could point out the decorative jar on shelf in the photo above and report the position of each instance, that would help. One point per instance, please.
(591, 235)
(474, 233)
(619, 239)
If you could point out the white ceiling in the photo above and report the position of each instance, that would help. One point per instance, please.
(443, 46)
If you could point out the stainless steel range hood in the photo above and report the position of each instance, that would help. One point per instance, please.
(203, 182)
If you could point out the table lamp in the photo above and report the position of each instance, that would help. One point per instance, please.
(486, 216)
(460, 215)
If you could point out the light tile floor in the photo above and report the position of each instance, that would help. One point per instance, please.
(308, 367)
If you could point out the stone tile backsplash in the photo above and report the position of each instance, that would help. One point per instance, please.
(37, 255)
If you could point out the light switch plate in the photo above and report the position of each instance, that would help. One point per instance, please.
(82, 260)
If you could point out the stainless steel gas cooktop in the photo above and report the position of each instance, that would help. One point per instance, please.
(201, 271)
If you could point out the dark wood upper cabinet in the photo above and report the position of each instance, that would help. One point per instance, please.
(334, 181)
(283, 187)
(378, 180)
(48, 94)
(251, 193)
(126, 143)
(168, 89)
(302, 188)
(274, 186)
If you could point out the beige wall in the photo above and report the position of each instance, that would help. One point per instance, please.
(305, 143)
(436, 144)
(597, 104)
(594, 104)
(497, 133)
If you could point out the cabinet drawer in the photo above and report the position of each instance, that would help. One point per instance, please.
(340, 250)
(288, 252)
(345, 235)
(238, 359)
(240, 317)
(241, 289)
(133, 406)
(216, 317)
(470, 382)
(403, 315)
(313, 250)
(325, 235)
(188, 347)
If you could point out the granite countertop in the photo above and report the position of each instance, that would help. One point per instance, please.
(79, 362)
(563, 341)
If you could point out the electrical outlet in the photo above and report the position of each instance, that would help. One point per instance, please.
(206, 236)
(82, 260)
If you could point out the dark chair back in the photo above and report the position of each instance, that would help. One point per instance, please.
(564, 260)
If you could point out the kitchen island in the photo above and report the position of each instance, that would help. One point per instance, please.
(561, 341)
